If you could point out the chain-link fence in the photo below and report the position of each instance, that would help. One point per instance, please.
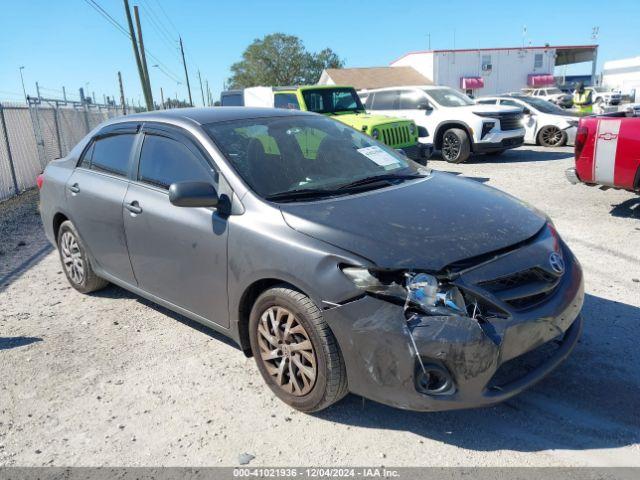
(32, 135)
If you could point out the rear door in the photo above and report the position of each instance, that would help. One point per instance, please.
(95, 192)
(179, 254)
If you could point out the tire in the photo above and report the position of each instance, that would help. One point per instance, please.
(552, 136)
(75, 261)
(456, 146)
(496, 153)
(281, 306)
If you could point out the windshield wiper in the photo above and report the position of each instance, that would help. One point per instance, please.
(379, 178)
(302, 193)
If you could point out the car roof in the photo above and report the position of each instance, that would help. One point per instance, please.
(203, 116)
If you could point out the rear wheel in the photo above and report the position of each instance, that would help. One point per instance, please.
(295, 351)
(552, 136)
(75, 261)
(456, 146)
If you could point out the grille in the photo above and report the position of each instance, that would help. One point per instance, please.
(524, 289)
(394, 136)
(508, 121)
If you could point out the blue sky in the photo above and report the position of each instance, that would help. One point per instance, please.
(66, 42)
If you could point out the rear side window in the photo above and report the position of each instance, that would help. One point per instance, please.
(109, 154)
(286, 100)
(164, 161)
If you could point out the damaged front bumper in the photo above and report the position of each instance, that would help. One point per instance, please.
(381, 348)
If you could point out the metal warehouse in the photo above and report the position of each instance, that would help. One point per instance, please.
(490, 71)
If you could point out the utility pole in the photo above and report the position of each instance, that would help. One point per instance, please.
(429, 35)
(162, 98)
(136, 53)
(122, 100)
(186, 74)
(24, 91)
(64, 94)
(201, 91)
(208, 93)
(143, 59)
(38, 90)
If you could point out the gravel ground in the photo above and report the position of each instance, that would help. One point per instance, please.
(111, 379)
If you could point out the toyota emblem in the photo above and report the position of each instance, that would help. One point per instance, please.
(557, 263)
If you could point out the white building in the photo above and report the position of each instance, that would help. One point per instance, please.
(492, 71)
(623, 75)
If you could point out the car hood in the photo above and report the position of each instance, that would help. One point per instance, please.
(425, 224)
(483, 108)
(358, 120)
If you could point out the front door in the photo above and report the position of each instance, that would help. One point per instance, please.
(179, 254)
(95, 192)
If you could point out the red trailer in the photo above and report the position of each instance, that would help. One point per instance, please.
(607, 152)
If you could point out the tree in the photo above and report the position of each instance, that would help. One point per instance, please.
(279, 59)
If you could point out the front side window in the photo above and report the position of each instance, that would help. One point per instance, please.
(276, 155)
(164, 161)
(386, 100)
(448, 97)
(411, 99)
(332, 100)
(110, 154)
(286, 100)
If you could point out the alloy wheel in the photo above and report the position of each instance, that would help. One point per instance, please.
(72, 257)
(450, 146)
(551, 136)
(286, 351)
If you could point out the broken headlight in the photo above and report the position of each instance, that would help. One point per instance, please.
(420, 290)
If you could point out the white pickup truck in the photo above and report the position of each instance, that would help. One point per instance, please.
(450, 120)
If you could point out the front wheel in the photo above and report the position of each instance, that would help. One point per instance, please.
(552, 136)
(295, 351)
(456, 146)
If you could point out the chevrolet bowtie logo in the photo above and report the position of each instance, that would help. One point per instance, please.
(608, 136)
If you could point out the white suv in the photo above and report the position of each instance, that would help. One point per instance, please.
(450, 120)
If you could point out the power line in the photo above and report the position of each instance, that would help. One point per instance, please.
(120, 28)
(156, 19)
(161, 34)
(168, 18)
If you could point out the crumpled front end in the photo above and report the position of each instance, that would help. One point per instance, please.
(523, 319)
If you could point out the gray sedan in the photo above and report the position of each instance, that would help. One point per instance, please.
(336, 262)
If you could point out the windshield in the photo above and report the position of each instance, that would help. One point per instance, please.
(447, 97)
(332, 100)
(553, 91)
(275, 155)
(543, 106)
(599, 89)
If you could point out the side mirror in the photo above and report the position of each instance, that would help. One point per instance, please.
(425, 106)
(193, 194)
(526, 111)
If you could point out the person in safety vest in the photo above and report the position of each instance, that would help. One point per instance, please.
(583, 99)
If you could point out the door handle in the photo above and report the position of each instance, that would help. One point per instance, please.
(75, 188)
(133, 207)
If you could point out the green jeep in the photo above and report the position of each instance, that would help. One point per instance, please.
(341, 103)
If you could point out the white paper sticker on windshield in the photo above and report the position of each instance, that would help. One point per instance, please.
(379, 156)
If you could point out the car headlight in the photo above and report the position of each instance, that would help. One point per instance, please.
(412, 128)
(420, 290)
(375, 133)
